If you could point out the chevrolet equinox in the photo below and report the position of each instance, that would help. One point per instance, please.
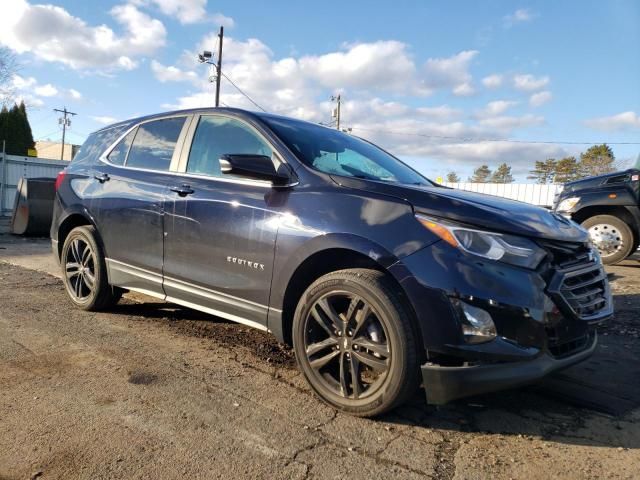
(379, 278)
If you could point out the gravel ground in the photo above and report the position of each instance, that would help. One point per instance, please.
(151, 390)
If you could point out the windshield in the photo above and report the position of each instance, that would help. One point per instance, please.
(337, 153)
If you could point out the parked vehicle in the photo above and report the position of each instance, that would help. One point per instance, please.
(608, 206)
(372, 272)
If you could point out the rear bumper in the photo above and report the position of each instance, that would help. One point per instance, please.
(444, 384)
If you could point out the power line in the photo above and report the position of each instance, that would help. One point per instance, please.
(47, 135)
(242, 92)
(497, 140)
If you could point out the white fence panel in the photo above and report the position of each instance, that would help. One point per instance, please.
(13, 168)
(525, 192)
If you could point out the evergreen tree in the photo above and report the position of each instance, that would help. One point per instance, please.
(481, 174)
(452, 177)
(567, 170)
(15, 130)
(27, 134)
(597, 160)
(502, 174)
(544, 171)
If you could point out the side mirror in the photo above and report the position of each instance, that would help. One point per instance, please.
(256, 167)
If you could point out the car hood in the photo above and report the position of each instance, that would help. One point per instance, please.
(479, 210)
(596, 182)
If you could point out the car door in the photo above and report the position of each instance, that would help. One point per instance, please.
(220, 240)
(133, 178)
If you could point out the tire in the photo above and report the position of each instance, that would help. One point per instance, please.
(84, 272)
(375, 345)
(612, 236)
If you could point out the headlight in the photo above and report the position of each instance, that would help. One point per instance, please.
(567, 204)
(510, 249)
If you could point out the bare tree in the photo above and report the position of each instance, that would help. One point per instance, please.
(8, 68)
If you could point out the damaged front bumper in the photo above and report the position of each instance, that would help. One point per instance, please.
(450, 383)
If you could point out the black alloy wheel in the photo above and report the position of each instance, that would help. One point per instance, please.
(354, 343)
(84, 271)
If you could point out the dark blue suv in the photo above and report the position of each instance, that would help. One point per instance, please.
(379, 278)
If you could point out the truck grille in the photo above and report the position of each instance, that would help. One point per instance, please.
(579, 284)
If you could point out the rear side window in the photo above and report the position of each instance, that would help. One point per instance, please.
(119, 152)
(97, 143)
(154, 144)
(216, 136)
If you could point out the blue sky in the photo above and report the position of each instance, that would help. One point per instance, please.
(430, 81)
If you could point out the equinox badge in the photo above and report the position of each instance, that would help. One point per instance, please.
(242, 261)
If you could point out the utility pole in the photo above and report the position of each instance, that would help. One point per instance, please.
(66, 122)
(219, 66)
(205, 57)
(336, 112)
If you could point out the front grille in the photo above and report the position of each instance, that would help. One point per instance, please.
(561, 349)
(578, 283)
(585, 291)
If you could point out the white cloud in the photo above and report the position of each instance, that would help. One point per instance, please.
(464, 90)
(74, 94)
(172, 74)
(104, 120)
(498, 107)
(300, 87)
(621, 121)
(529, 83)
(442, 112)
(223, 20)
(47, 90)
(383, 65)
(519, 16)
(53, 34)
(28, 88)
(540, 98)
(451, 72)
(23, 83)
(492, 81)
(508, 123)
(186, 11)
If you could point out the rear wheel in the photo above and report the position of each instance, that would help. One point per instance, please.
(354, 342)
(612, 237)
(84, 271)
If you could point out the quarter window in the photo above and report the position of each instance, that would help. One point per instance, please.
(154, 144)
(216, 136)
(119, 152)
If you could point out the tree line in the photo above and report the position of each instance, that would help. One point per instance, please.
(484, 174)
(15, 130)
(596, 160)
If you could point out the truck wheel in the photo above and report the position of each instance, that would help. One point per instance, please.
(354, 342)
(611, 236)
(84, 271)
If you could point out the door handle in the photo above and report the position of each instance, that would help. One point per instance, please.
(183, 190)
(101, 177)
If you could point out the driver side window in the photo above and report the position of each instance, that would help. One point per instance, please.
(216, 136)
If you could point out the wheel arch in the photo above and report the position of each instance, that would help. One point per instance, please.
(325, 261)
(71, 221)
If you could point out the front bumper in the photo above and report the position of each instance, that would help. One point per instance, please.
(445, 384)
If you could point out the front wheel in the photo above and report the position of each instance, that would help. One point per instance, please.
(354, 342)
(84, 272)
(611, 236)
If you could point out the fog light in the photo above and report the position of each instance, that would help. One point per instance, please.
(477, 324)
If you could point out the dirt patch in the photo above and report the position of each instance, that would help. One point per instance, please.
(142, 378)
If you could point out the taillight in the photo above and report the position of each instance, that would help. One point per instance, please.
(59, 179)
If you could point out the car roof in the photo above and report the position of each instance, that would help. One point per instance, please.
(247, 114)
